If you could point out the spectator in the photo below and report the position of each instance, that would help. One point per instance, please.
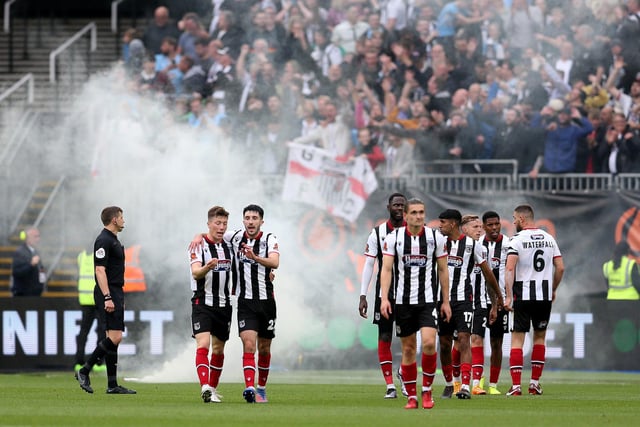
(347, 32)
(222, 82)
(193, 78)
(160, 28)
(193, 30)
(522, 24)
(554, 34)
(28, 278)
(564, 128)
(367, 148)
(168, 58)
(514, 140)
(274, 32)
(297, 48)
(629, 31)
(589, 55)
(399, 159)
(619, 150)
(452, 15)
(152, 81)
(229, 33)
(325, 53)
(333, 135)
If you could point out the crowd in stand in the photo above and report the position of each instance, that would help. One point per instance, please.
(554, 84)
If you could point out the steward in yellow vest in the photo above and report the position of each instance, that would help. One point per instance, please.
(86, 286)
(621, 273)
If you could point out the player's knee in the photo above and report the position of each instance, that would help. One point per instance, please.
(384, 336)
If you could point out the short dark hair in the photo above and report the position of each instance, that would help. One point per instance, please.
(391, 197)
(453, 214)
(109, 213)
(217, 211)
(489, 214)
(525, 210)
(253, 208)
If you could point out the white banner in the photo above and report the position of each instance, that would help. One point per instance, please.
(315, 177)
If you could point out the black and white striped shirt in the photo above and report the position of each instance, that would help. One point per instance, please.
(252, 279)
(214, 288)
(374, 250)
(497, 258)
(415, 265)
(480, 296)
(464, 254)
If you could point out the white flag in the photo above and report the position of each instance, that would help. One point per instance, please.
(315, 177)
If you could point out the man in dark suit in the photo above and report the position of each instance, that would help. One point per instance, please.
(27, 273)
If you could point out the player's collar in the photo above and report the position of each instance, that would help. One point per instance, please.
(408, 233)
(390, 226)
(252, 238)
(211, 242)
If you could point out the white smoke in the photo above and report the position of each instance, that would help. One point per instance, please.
(120, 148)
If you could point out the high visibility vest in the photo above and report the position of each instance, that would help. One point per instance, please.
(133, 274)
(619, 280)
(86, 278)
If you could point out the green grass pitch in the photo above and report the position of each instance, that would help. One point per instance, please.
(316, 398)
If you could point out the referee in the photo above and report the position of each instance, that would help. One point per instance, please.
(108, 258)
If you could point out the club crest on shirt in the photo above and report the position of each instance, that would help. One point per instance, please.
(477, 269)
(468, 249)
(193, 255)
(100, 253)
(454, 261)
(495, 263)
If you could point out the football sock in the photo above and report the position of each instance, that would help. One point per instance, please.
(465, 373)
(515, 365)
(202, 365)
(537, 361)
(215, 369)
(385, 358)
(249, 368)
(477, 362)
(264, 361)
(410, 374)
(429, 363)
(447, 373)
(455, 363)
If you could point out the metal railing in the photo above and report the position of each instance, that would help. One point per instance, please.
(7, 27)
(28, 79)
(456, 166)
(465, 183)
(89, 28)
(7, 15)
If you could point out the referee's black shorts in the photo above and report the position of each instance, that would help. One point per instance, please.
(112, 321)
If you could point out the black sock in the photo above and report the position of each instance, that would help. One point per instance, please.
(111, 360)
(101, 350)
